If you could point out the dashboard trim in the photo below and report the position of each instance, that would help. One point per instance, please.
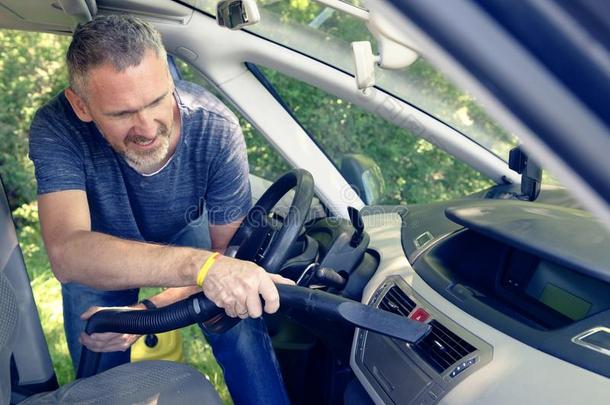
(514, 363)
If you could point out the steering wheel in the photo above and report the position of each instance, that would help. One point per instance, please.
(258, 238)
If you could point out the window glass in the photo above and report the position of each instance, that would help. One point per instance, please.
(414, 170)
(264, 161)
(326, 34)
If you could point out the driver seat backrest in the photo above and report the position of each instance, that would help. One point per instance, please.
(31, 367)
(9, 315)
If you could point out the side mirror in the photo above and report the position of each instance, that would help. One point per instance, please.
(364, 175)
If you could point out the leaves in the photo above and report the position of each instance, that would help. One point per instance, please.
(31, 72)
(414, 170)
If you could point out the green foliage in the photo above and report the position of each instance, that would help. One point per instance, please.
(439, 96)
(31, 71)
(198, 353)
(335, 23)
(29, 236)
(414, 170)
(326, 34)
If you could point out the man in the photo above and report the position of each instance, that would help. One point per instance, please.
(120, 158)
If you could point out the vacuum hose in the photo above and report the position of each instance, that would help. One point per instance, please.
(196, 308)
(296, 302)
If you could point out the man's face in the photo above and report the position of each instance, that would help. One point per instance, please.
(135, 110)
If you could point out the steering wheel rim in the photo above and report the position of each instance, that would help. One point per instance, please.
(271, 257)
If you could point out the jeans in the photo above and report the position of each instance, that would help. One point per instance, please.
(77, 298)
(244, 352)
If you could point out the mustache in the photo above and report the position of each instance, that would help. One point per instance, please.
(163, 130)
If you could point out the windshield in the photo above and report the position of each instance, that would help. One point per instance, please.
(326, 34)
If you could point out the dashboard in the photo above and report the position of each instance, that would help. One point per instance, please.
(517, 295)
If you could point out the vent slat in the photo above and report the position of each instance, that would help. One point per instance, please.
(433, 354)
(454, 347)
(465, 347)
(460, 346)
(398, 295)
(397, 302)
(441, 348)
(448, 343)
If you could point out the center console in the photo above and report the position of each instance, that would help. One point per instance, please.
(419, 373)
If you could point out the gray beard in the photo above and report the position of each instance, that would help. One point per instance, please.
(152, 161)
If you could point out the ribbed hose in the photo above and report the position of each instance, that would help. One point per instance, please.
(296, 302)
(158, 320)
(197, 308)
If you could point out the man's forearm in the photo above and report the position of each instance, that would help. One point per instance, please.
(110, 263)
(172, 295)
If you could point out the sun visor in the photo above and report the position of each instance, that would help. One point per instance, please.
(168, 11)
(60, 16)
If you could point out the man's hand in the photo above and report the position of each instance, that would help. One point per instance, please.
(235, 285)
(107, 342)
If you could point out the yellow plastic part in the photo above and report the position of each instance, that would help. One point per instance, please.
(168, 347)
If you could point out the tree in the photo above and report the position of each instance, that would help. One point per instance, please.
(31, 72)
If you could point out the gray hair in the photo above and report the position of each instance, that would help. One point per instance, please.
(118, 40)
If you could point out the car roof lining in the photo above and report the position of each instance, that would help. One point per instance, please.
(168, 11)
(62, 16)
(59, 16)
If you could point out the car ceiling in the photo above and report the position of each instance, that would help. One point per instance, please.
(62, 16)
(59, 16)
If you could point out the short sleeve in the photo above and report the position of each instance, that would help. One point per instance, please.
(57, 157)
(228, 196)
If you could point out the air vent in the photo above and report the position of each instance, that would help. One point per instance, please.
(441, 348)
(396, 301)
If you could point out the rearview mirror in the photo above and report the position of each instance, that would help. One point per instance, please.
(364, 175)
(235, 14)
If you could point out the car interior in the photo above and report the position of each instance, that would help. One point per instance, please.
(500, 296)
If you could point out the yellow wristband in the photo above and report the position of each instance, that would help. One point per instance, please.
(203, 271)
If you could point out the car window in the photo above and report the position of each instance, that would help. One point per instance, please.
(264, 160)
(326, 34)
(414, 170)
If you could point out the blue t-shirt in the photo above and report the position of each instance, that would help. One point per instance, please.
(209, 169)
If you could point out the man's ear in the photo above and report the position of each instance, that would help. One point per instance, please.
(78, 105)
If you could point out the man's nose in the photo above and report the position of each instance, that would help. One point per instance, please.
(144, 123)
